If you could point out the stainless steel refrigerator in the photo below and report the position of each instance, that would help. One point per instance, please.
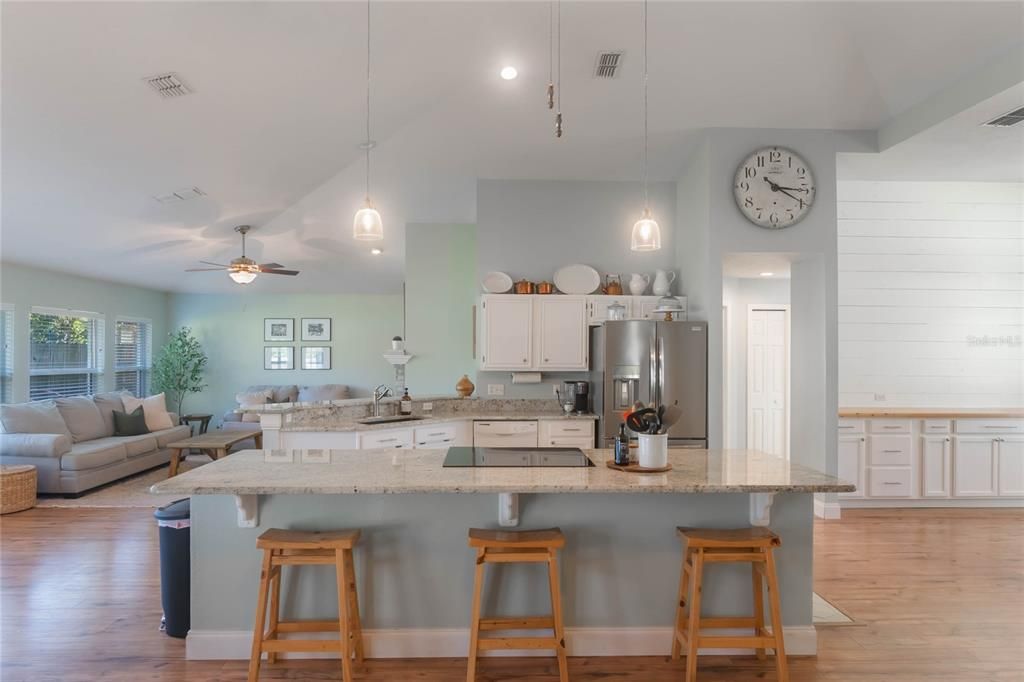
(657, 363)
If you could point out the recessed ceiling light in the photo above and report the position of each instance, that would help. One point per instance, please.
(767, 274)
(376, 252)
(509, 73)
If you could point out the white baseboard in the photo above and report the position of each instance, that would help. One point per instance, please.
(937, 503)
(826, 510)
(801, 640)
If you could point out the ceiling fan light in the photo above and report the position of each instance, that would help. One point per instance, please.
(242, 276)
(646, 233)
(368, 225)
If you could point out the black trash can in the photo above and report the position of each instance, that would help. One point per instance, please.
(174, 522)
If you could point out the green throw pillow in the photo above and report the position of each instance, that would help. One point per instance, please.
(130, 424)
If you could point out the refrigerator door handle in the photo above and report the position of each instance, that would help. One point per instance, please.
(655, 393)
(661, 368)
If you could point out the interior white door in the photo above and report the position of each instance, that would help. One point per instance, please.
(767, 372)
(507, 332)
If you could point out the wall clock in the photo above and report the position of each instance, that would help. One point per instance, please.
(774, 188)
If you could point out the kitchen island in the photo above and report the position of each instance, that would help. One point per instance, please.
(620, 568)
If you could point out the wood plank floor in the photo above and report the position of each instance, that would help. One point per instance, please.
(941, 593)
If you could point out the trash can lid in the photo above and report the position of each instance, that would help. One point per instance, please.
(179, 509)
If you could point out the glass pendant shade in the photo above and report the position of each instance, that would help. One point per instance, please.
(367, 225)
(242, 276)
(646, 233)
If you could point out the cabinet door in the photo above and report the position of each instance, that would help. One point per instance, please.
(1011, 466)
(643, 308)
(507, 332)
(935, 466)
(399, 438)
(597, 307)
(974, 466)
(561, 332)
(851, 463)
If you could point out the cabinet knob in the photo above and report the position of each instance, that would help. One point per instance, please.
(524, 359)
(546, 360)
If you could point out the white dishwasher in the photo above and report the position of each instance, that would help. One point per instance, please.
(505, 434)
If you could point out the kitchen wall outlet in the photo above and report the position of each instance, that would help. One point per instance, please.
(495, 389)
(554, 390)
(879, 397)
(428, 407)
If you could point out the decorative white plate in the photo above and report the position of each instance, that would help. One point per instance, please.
(496, 282)
(577, 279)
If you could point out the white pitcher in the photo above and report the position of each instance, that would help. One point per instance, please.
(663, 282)
(638, 283)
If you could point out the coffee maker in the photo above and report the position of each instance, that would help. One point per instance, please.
(577, 393)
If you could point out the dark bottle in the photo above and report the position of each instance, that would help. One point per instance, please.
(622, 447)
(405, 403)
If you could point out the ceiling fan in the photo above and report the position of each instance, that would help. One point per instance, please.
(243, 270)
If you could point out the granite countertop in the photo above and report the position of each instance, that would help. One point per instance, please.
(933, 412)
(349, 425)
(334, 472)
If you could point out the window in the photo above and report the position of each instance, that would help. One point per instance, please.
(133, 356)
(7, 354)
(65, 353)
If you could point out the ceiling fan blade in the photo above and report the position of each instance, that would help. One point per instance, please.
(219, 265)
(275, 271)
(203, 269)
(272, 266)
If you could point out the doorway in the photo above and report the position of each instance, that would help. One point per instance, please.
(768, 378)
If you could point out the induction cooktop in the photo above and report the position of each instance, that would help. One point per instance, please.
(462, 456)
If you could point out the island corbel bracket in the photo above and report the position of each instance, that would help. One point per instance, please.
(508, 510)
(760, 508)
(248, 510)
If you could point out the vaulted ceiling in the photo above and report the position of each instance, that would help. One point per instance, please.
(271, 130)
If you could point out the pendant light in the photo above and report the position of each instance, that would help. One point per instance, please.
(367, 225)
(646, 233)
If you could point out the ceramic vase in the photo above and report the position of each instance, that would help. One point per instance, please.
(465, 387)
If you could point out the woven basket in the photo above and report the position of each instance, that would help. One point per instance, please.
(17, 488)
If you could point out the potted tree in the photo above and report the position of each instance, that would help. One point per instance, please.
(178, 368)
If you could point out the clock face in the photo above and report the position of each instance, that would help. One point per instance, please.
(774, 188)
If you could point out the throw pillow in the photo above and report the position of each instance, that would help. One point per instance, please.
(37, 417)
(130, 424)
(82, 417)
(107, 403)
(155, 409)
(309, 394)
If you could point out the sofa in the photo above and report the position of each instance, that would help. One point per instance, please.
(71, 442)
(272, 394)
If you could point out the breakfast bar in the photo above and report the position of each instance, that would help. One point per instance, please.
(620, 565)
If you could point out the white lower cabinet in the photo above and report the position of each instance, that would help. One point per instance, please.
(890, 482)
(1011, 466)
(397, 438)
(571, 433)
(935, 465)
(974, 467)
(851, 463)
(435, 436)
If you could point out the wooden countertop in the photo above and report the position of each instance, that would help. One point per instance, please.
(933, 412)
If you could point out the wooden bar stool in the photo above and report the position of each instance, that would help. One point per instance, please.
(505, 547)
(307, 548)
(753, 545)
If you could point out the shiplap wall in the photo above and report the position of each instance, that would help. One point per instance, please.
(927, 271)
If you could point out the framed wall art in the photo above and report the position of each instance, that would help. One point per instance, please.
(279, 357)
(316, 357)
(316, 329)
(279, 329)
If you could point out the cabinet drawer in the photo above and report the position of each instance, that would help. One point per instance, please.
(582, 442)
(851, 425)
(889, 482)
(569, 427)
(990, 425)
(936, 426)
(890, 451)
(889, 426)
(438, 433)
(386, 439)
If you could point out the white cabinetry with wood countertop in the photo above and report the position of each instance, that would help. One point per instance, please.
(936, 458)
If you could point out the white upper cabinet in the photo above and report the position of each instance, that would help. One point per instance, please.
(597, 307)
(643, 308)
(561, 332)
(637, 308)
(507, 325)
(1011, 466)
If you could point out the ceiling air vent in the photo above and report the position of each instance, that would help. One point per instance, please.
(168, 85)
(608, 64)
(1008, 119)
(183, 194)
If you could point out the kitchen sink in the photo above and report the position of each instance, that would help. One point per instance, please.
(389, 419)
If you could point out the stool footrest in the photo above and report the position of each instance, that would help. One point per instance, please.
(306, 645)
(504, 556)
(526, 623)
(488, 644)
(727, 622)
(308, 626)
(737, 641)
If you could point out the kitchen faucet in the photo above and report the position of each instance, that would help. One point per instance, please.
(379, 394)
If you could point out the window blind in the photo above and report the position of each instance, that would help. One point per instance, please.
(65, 353)
(133, 349)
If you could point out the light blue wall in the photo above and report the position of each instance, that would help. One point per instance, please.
(230, 328)
(24, 287)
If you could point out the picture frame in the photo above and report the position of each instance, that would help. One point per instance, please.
(279, 329)
(316, 329)
(279, 357)
(316, 357)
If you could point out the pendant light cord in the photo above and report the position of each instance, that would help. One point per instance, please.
(367, 101)
(646, 206)
(558, 71)
(551, 41)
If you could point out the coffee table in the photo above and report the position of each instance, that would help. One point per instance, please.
(216, 445)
